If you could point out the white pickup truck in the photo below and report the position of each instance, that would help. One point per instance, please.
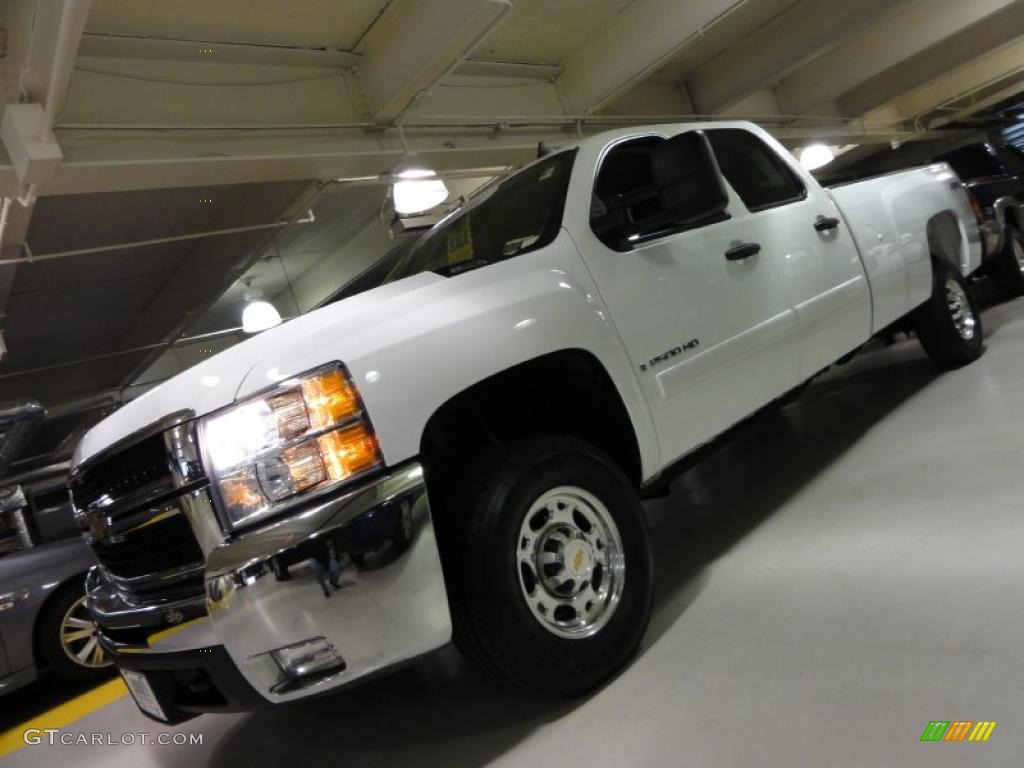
(537, 363)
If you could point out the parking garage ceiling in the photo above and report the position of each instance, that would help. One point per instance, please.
(100, 307)
(121, 118)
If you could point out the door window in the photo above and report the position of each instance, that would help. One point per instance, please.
(626, 192)
(758, 175)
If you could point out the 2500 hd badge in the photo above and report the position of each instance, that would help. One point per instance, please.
(691, 344)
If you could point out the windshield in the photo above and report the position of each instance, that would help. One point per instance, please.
(521, 214)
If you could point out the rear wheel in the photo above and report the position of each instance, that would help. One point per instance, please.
(550, 576)
(1007, 269)
(948, 324)
(68, 638)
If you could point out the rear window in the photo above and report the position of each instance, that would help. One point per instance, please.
(760, 177)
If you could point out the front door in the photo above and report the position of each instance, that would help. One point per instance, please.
(712, 338)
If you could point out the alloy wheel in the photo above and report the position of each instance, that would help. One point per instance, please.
(571, 562)
(78, 637)
(960, 310)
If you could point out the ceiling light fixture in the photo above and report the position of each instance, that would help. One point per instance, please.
(416, 188)
(259, 314)
(815, 156)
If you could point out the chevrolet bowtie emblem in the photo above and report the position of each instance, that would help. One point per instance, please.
(99, 526)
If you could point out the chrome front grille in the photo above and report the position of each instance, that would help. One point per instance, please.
(128, 503)
(126, 478)
(154, 548)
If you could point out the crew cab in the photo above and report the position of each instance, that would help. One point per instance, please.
(461, 452)
(993, 175)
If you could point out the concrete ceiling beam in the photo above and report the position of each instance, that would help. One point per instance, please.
(110, 160)
(112, 46)
(413, 45)
(639, 40)
(907, 31)
(963, 80)
(1014, 88)
(42, 43)
(789, 40)
(43, 40)
(939, 65)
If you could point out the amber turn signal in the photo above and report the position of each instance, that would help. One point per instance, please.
(330, 399)
(349, 451)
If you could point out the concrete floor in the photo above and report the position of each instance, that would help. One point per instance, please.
(841, 573)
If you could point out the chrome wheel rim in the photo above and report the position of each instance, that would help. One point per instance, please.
(960, 310)
(78, 637)
(571, 563)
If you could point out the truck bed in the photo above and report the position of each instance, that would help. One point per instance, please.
(890, 217)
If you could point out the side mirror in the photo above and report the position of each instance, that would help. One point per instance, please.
(687, 187)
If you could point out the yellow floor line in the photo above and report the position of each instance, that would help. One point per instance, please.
(64, 714)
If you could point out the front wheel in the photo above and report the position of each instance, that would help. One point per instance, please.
(550, 576)
(948, 324)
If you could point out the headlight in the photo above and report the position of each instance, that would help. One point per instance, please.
(306, 436)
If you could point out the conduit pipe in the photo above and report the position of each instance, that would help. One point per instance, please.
(309, 218)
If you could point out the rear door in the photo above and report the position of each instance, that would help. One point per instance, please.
(801, 232)
(711, 338)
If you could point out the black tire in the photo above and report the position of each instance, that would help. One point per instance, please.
(495, 628)
(936, 321)
(49, 628)
(1007, 269)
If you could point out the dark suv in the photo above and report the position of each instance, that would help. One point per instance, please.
(993, 175)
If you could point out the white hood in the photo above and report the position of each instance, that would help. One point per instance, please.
(269, 357)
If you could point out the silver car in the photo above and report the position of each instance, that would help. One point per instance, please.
(43, 560)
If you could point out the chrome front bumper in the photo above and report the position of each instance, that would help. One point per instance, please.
(272, 588)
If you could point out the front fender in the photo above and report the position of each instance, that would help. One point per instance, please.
(427, 345)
